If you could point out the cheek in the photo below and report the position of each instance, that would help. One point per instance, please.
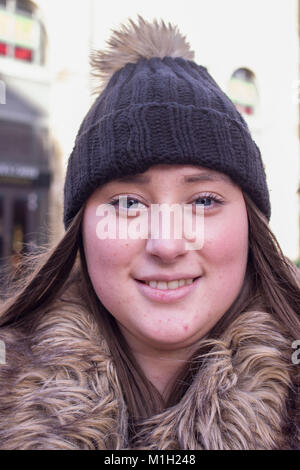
(108, 257)
(226, 246)
(108, 261)
(103, 254)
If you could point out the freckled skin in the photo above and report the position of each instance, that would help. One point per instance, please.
(113, 264)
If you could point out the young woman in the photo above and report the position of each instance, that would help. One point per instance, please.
(127, 342)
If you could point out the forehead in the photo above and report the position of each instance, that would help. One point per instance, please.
(184, 173)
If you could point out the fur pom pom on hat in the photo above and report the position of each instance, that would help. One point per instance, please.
(155, 105)
(129, 45)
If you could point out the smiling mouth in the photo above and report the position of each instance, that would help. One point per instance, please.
(170, 285)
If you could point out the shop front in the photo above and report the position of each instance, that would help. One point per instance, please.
(24, 180)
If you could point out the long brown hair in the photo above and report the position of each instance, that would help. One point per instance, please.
(271, 282)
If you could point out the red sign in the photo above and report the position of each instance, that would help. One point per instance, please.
(3, 48)
(23, 54)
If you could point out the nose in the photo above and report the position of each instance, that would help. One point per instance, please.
(166, 239)
(166, 250)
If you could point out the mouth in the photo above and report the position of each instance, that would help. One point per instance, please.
(169, 285)
(163, 294)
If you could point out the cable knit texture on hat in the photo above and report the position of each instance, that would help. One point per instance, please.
(158, 110)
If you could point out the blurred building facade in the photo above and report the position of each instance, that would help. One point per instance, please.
(25, 153)
(38, 121)
(44, 78)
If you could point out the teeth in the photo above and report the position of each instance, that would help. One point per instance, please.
(163, 285)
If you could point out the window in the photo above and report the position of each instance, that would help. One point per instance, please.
(243, 92)
(24, 6)
(16, 140)
(22, 35)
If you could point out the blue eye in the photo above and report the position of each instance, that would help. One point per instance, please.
(208, 197)
(128, 203)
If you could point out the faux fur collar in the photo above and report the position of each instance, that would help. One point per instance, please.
(59, 388)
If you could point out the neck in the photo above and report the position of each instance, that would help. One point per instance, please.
(160, 367)
(161, 371)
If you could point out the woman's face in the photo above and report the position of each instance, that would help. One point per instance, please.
(160, 318)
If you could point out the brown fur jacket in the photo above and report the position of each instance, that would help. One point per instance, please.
(59, 388)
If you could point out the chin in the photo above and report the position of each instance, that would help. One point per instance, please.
(168, 341)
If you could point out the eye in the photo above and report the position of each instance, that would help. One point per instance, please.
(208, 197)
(125, 203)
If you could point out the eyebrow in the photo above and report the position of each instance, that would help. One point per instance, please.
(144, 179)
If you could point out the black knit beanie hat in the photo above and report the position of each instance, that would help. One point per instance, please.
(156, 105)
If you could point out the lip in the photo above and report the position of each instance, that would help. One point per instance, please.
(166, 278)
(166, 296)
